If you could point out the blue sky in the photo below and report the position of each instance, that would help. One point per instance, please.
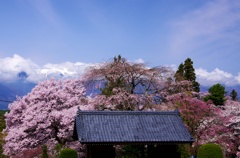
(51, 36)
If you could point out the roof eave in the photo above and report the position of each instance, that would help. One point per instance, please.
(138, 143)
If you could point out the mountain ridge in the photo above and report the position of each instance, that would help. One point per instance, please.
(10, 90)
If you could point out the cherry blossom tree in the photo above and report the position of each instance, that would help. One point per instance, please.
(122, 100)
(44, 116)
(215, 129)
(127, 86)
(231, 110)
(206, 122)
(193, 112)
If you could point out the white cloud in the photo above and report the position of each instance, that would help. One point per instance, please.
(216, 76)
(66, 69)
(211, 26)
(10, 67)
(140, 61)
(237, 78)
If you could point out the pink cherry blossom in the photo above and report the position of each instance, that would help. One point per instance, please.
(44, 116)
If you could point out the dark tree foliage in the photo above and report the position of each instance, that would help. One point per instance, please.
(134, 151)
(217, 93)
(112, 83)
(68, 153)
(44, 152)
(179, 75)
(2, 122)
(233, 94)
(2, 135)
(186, 71)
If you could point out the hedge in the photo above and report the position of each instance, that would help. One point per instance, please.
(210, 151)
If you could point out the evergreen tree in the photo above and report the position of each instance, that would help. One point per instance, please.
(234, 94)
(186, 71)
(179, 73)
(217, 93)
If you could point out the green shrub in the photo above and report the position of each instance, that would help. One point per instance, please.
(210, 151)
(68, 153)
(44, 152)
(2, 135)
(58, 148)
(184, 150)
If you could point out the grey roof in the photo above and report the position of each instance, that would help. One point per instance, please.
(94, 127)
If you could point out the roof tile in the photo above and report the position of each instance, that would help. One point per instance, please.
(130, 126)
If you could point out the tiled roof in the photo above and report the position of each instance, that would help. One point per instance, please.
(130, 127)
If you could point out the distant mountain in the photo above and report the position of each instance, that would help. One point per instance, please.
(10, 90)
(228, 89)
(21, 87)
(6, 93)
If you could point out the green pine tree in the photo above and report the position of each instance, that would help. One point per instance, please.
(234, 94)
(186, 71)
(217, 94)
(179, 75)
